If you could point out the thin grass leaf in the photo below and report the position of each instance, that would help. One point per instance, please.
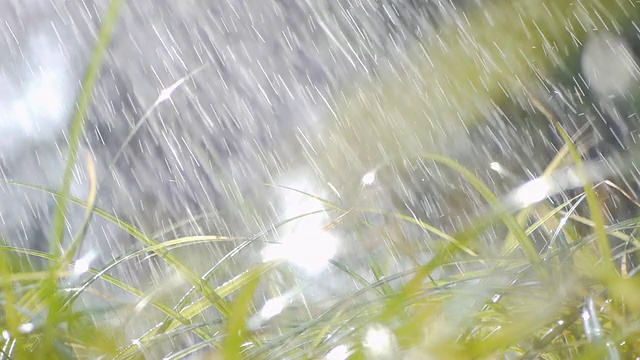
(425, 226)
(183, 302)
(213, 298)
(11, 318)
(83, 103)
(237, 322)
(101, 275)
(592, 201)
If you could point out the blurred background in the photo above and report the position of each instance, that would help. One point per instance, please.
(236, 118)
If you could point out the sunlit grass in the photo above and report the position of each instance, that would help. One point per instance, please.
(576, 308)
(574, 296)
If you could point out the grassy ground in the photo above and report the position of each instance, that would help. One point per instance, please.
(573, 297)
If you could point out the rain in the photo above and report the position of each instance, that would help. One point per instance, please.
(334, 147)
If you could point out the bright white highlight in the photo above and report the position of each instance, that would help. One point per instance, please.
(379, 342)
(37, 110)
(26, 328)
(340, 352)
(83, 264)
(310, 249)
(274, 307)
(303, 242)
(369, 178)
(532, 192)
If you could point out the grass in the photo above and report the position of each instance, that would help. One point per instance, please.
(574, 296)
